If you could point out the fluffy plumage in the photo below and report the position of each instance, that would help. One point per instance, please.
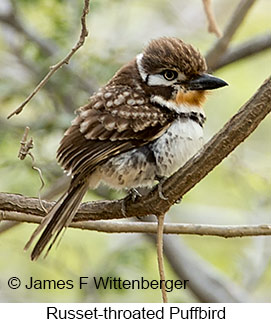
(142, 125)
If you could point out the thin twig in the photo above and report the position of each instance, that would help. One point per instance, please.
(37, 169)
(234, 22)
(24, 151)
(65, 60)
(26, 145)
(160, 256)
(223, 231)
(212, 24)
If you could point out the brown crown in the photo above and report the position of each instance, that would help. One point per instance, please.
(173, 53)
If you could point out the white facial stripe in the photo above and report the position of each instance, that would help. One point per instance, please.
(158, 79)
(171, 105)
(142, 73)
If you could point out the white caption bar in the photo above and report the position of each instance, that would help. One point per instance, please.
(83, 312)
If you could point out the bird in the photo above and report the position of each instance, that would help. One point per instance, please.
(140, 127)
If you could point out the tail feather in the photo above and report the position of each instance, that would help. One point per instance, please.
(59, 217)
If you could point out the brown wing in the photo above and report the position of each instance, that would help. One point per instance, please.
(115, 120)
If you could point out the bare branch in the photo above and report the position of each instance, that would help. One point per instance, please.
(246, 49)
(223, 231)
(212, 24)
(65, 60)
(222, 43)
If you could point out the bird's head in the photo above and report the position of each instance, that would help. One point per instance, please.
(175, 71)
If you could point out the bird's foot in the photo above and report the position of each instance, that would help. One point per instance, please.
(133, 194)
(160, 190)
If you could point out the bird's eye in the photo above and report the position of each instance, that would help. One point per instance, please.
(169, 75)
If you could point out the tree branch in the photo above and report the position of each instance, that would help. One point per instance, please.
(236, 130)
(222, 43)
(223, 231)
(253, 46)
(65, 60)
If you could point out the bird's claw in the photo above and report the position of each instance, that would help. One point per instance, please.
(133, 194)
(160, 191)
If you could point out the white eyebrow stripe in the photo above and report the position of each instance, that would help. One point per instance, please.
(141, 70)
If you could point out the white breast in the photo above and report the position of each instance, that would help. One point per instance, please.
(181, 141)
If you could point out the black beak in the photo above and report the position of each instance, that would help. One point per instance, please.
(205, 82)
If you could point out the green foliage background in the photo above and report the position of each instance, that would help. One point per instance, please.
(236, 192)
